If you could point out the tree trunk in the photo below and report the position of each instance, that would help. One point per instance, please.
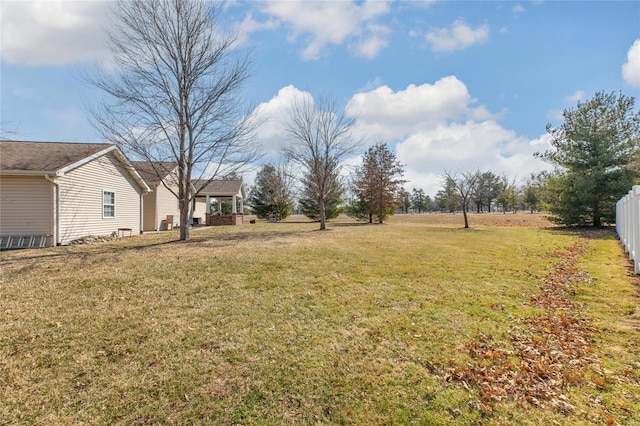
(466, 221)
(323, 215)
(596, 215)
(184, 219)
(370, 217)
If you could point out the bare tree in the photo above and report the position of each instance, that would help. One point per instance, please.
(7, 134)
(320, 139)
(465, 183)
(173, 94)
(379, 182)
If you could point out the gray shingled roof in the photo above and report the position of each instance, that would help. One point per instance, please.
(222, 187)
(26, 156)
(148, 170)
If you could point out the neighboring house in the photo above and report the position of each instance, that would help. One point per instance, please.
(161, 207)
(66, 191)
(161, 203)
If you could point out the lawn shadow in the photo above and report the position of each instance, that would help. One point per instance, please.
(344, 224)
(603, 233)
(72, 251)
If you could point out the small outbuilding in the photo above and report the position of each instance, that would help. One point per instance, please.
(218, 191)
(52, 193)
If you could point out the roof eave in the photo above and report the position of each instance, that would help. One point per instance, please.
(27, 172)
(85, 160)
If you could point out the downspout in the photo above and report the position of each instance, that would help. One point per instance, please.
(141, 212)
(56, 211)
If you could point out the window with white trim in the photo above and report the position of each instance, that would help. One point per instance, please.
(108, 204)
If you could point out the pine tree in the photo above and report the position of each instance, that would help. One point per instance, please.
(271, 193)
(594, 151)
(418, 200)
(332, 200)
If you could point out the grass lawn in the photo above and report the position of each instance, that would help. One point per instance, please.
(278, 323)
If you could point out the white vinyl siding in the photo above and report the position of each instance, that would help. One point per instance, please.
(82, 208)
(157, 206)
(167, 205)
(26, 206)
(149, 211)
(200, 209)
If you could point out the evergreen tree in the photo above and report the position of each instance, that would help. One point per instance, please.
(531, 193)
(271, 193)
(405, 200)
(419, 200)
(594, 151)
(508, 197)
(487, 189)
(448, 198)
(332, 200)
(429, 204)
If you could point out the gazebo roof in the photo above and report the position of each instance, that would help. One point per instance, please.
(220, 188)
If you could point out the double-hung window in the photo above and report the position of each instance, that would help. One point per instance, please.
(108, 204)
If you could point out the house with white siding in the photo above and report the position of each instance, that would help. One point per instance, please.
(160, 206)
(52, 193)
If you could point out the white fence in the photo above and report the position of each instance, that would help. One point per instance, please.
(628, 224)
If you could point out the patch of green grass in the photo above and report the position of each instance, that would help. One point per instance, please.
(282, 324)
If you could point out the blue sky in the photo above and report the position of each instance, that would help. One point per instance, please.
(451, 85)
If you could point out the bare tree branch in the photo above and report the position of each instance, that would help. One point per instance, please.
(173, 93)
(320, 139)
(465, 184)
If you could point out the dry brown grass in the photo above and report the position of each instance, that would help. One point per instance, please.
(283, 324)
(523, 219)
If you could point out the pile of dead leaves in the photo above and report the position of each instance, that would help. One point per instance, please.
(541, 355)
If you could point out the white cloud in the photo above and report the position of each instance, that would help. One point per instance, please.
(457, 36)
(384, 113)
(468, 146)
(272, 116)
(518, 9)
(332, 23)
(440, 126)
(250, 25)
(370, 46)
(52, 32)
(577, 96)
(432, 127)
(631, 69)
